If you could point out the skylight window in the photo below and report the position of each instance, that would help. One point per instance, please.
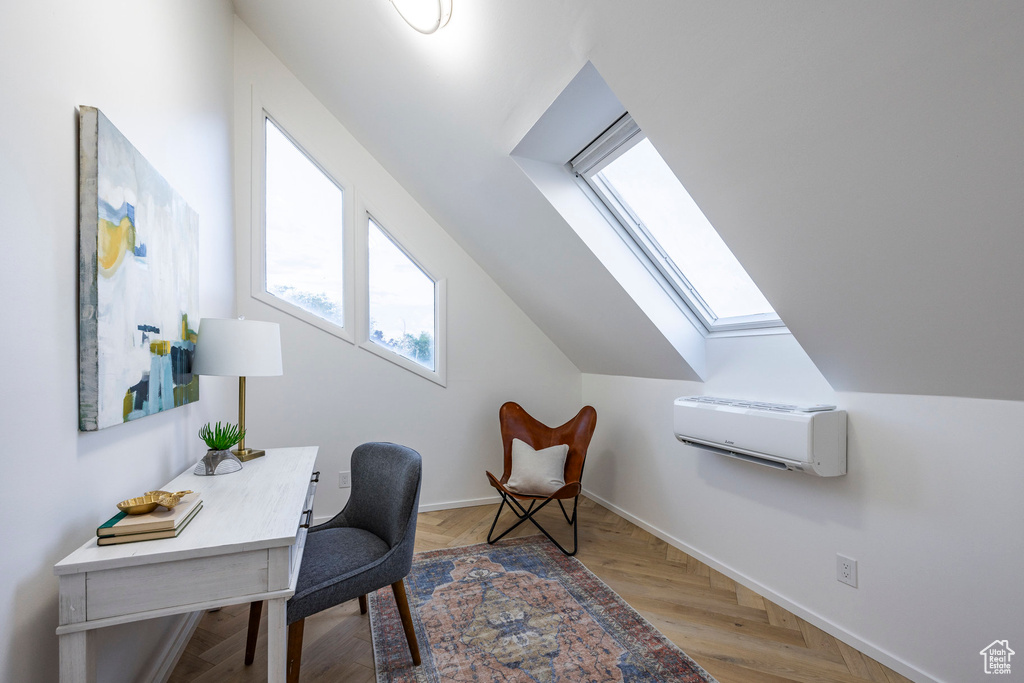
(669, 232)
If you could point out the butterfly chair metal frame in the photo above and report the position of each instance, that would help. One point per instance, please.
(516, 423)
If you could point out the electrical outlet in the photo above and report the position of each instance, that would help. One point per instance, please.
(344, 480)
(846, 570)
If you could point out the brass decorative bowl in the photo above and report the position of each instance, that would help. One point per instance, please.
(149, 502)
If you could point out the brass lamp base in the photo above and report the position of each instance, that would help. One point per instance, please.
(242, 453)
(247, 454)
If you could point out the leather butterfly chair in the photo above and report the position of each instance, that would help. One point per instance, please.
(366, 546)
(516, 423)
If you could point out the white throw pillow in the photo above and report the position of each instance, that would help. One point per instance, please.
(537, 472)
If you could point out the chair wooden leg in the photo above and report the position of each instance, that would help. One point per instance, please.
(362, 604)
(295, 649)
(398, 588)
(255, 611)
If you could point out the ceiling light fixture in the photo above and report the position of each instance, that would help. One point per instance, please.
(426, 16)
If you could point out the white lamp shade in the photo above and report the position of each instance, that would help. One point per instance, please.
(238, 348)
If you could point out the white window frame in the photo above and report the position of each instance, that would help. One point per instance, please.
(439, 374)
(258, 289)
(619, 138)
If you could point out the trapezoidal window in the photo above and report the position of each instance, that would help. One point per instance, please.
(402, 300)
(303, 231)
(669, 232)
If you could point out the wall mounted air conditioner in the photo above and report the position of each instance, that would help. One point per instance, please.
(810, 439)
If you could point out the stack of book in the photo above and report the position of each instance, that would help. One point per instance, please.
(161, 523)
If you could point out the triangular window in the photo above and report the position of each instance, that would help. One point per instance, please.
(402, 300)
(304, 214)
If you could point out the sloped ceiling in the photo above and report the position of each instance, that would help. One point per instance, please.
(865, 162)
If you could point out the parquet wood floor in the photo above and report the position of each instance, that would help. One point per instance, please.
(734, 633)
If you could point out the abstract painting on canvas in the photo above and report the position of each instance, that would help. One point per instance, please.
(138, 289)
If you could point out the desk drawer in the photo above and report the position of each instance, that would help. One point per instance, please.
(295, 552)
(130, 590)
(311, 491)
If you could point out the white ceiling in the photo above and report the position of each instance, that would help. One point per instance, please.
(865, 162)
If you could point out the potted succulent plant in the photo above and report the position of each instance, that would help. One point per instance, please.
(219, 439)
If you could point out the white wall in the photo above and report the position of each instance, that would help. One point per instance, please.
(161, 71)
(861, 159)
(336, 395)
(931, 507)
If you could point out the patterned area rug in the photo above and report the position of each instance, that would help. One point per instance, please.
(519, 611)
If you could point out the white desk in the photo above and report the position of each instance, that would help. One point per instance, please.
(244, 545)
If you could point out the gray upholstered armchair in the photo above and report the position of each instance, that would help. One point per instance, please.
(365, 547)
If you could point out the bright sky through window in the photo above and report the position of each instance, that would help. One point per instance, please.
(304, 210)
(402, 310)
(644, 181)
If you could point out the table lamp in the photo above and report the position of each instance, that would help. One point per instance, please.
(238, 348)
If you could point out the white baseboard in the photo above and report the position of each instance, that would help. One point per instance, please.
(886, 658)
(472, 502)
(165, 660)
(433, 507)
